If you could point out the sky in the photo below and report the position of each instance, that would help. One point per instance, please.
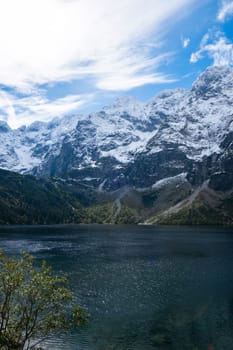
(63, 57)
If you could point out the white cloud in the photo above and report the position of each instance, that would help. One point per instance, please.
(217, 48)
(122, 82)
(185, 42)
(195, 56)
(26, 110)
(221, 52)
(225, 11)
(128, 72)
(110, 45)
(58, 40)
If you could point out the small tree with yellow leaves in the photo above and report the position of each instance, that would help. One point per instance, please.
(33, 303)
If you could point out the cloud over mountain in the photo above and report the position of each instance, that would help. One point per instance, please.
(225, 11)
(58, 40)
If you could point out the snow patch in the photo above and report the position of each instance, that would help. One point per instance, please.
(169, 180)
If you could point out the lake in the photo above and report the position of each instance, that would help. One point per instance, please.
(145, 287)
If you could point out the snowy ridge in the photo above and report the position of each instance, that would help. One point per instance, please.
(194, 122)
(27, 147)
(170, 180)
(197, 120)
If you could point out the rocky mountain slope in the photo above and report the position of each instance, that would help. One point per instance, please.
(25, 199)
(147, 156)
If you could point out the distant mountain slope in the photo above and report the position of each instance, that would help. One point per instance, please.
(186, 126)
(27, 200)
(204, 206)
(174, 133)
(138, 160)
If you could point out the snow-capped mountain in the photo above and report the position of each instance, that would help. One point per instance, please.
(131, 143)
(196, 120)
(24, 149)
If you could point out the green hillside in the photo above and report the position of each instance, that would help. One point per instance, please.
(25, 199)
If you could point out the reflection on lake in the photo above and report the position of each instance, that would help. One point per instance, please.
(145, 287)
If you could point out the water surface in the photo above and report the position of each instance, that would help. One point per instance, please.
(145, 287)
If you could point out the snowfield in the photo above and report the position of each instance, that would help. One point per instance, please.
(193, 121)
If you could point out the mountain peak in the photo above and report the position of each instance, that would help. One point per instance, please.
(212, 81)
(4, 127)
(193, 123)
(124, 101)
(125, 104)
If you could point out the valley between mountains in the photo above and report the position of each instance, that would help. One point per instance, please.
(167, 161)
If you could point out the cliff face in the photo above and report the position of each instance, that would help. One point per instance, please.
(158, 153)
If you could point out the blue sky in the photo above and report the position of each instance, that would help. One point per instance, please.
(61, 57)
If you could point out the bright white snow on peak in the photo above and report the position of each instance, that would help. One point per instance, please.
(193, 121)
(126, 104)
(25, 148)
(4, 127)
(214, 81)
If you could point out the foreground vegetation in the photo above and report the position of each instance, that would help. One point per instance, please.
(28, 200)
(33, 304)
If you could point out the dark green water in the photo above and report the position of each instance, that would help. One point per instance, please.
(146, 288)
